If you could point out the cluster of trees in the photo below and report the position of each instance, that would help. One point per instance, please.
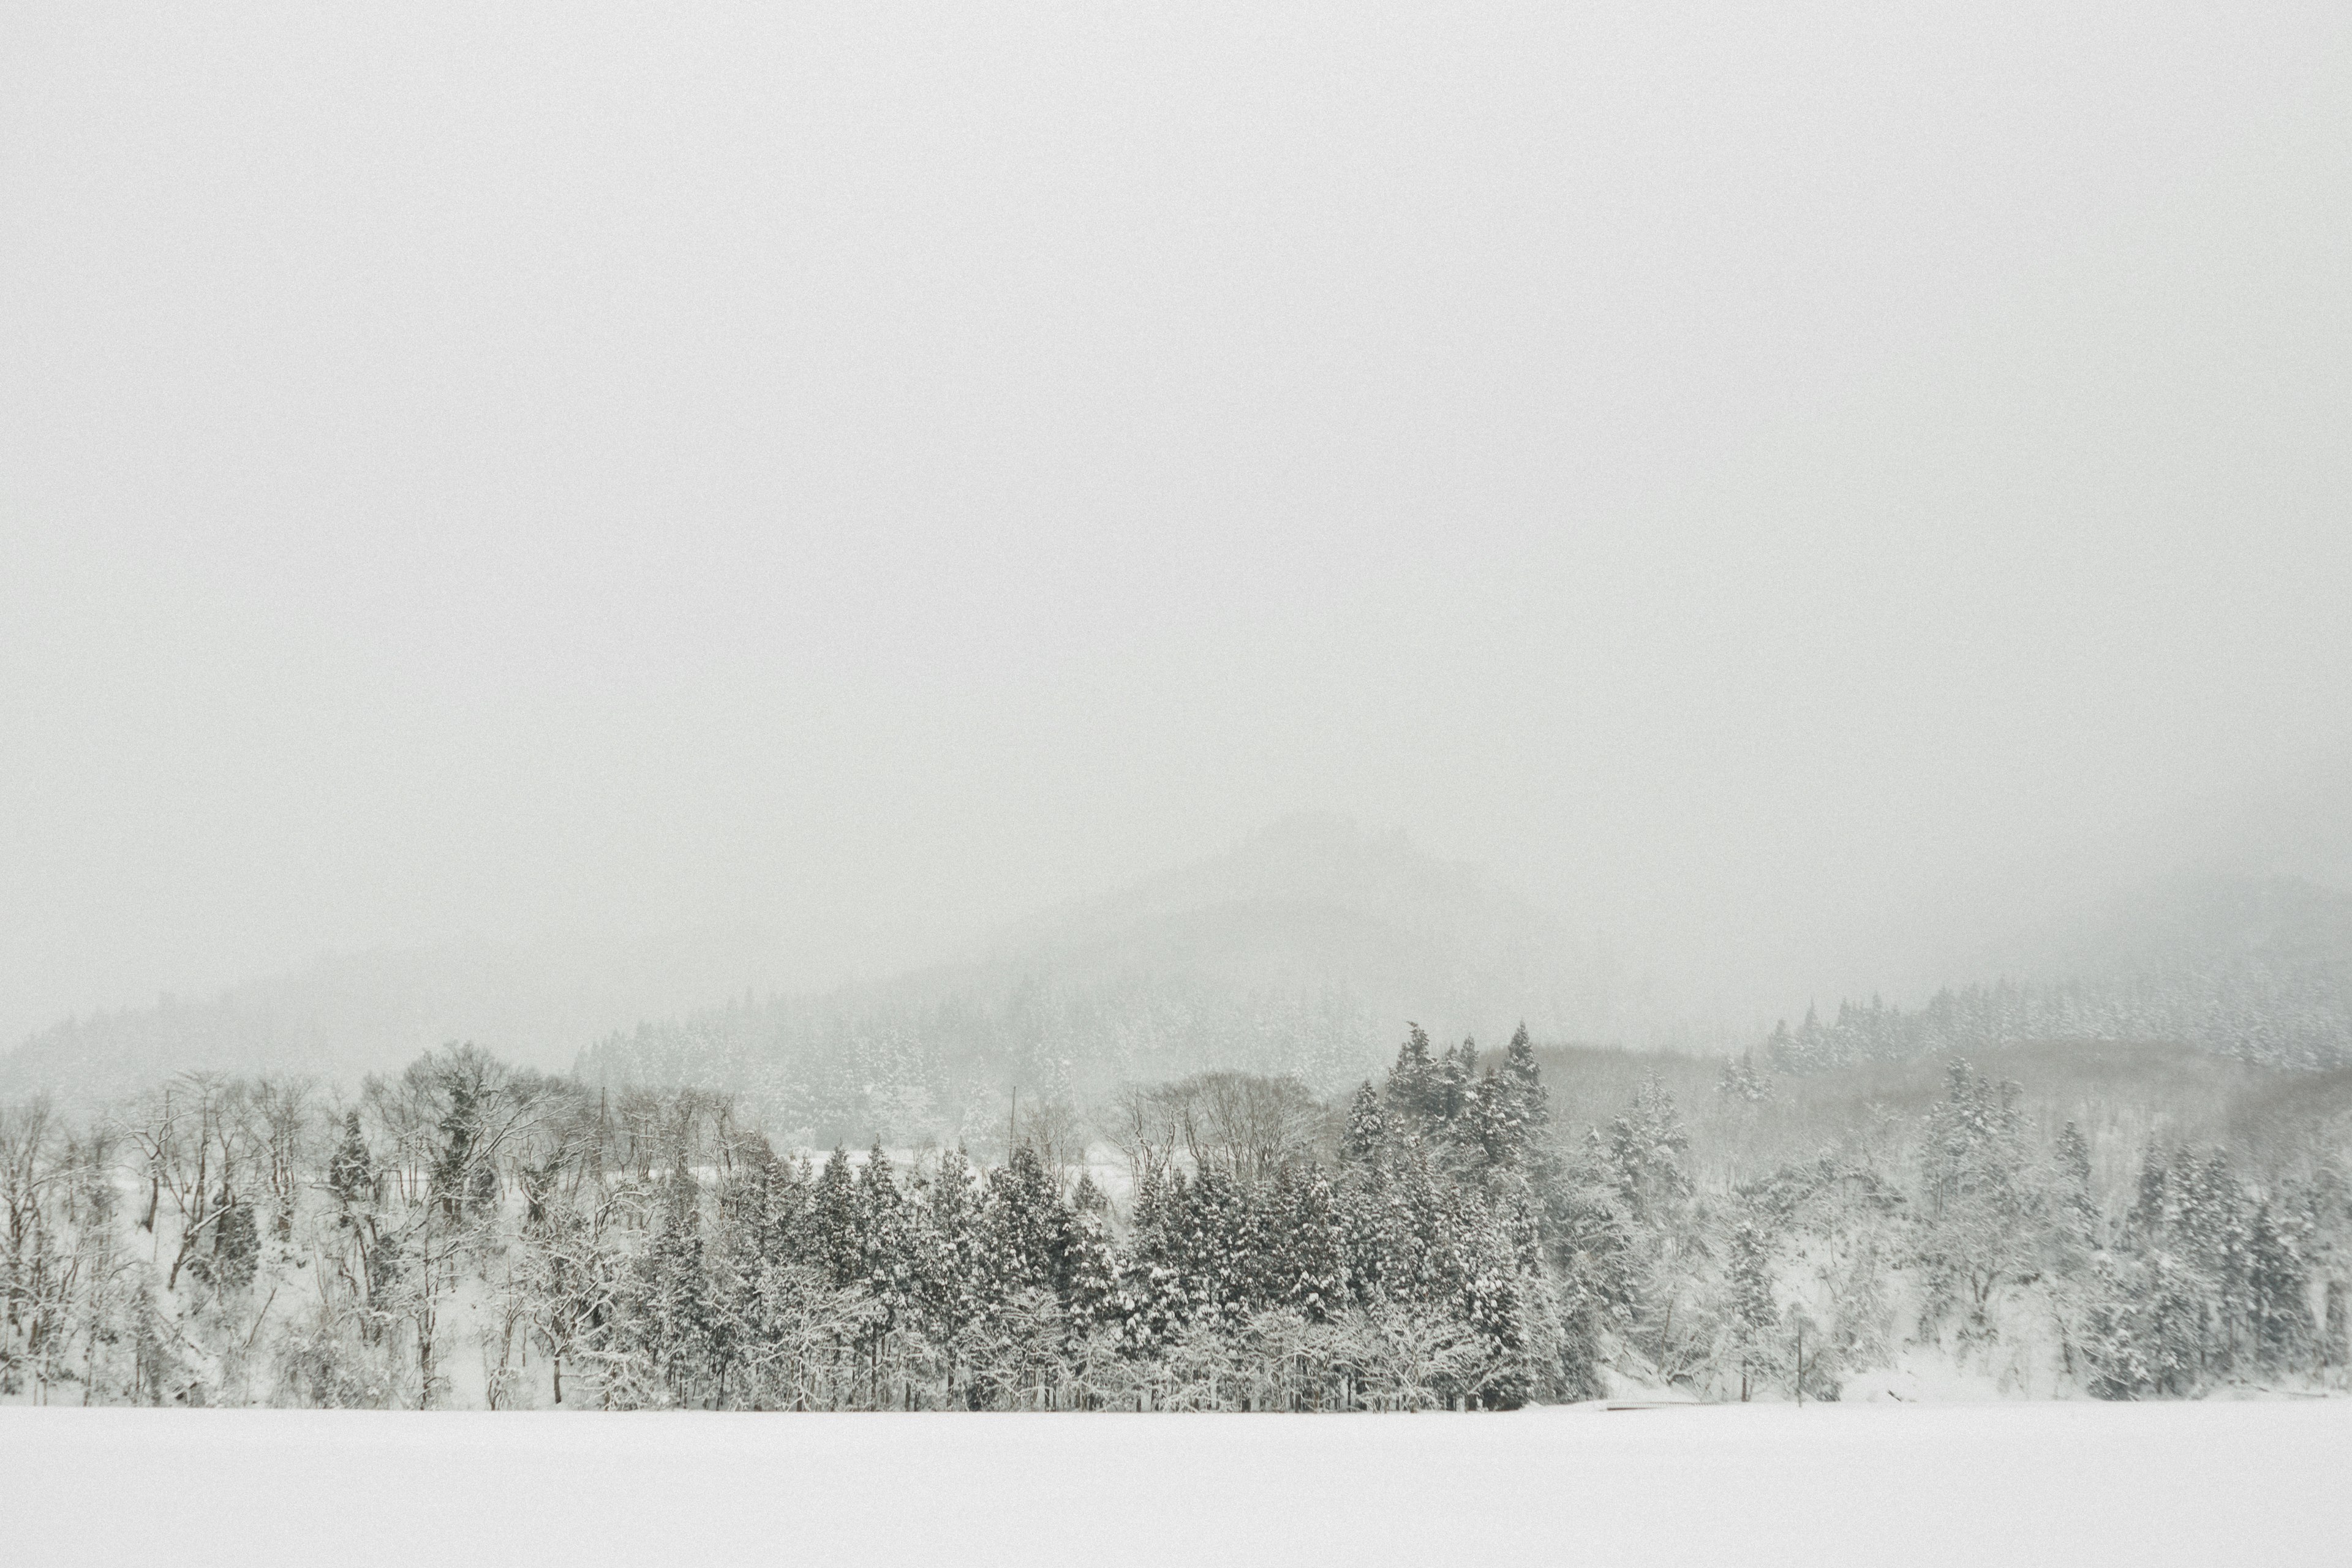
(2209, 1278)
(1990, 1240)
(469, 1233)
(466, 1233)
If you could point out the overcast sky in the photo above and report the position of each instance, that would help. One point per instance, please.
(1751, 474)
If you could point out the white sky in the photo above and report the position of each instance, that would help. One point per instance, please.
(1755, 476)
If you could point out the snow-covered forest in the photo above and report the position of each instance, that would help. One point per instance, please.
(1470, 1231)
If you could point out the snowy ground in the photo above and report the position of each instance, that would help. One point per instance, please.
(2070, 1484)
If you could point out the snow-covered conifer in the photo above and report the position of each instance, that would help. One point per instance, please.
(1367, 1128)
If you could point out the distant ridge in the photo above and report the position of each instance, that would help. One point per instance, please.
(2258, 968)
(1302, 948)
(1313, 903)
(343, 1015)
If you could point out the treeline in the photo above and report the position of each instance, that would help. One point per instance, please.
(2257, 969)
(468, 1234)
(2296, 1020)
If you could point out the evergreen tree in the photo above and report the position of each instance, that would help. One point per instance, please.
(2080, 1209)
(1492, 1301)
(880, 1223)
(1457, 1070)
(1308, 1271)
(1492, 1133)
(1528, 1102)
(2278, 1291)
(1646, 1146)
(952, 1274)
(1026, 1229)
(2151, 1204)
(237, 1244)
(1751, 1313)
(1367, 1128)
(2171, 1337)
(831, 1239)
(464, 1172)
(677, 1319)
(1090, 1270)
(2111, 1348)
(1413, 1094)
(350, 1174)
(1742, 1083)
(1150, 1300)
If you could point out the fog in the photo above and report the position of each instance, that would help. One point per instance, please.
(1792, 488)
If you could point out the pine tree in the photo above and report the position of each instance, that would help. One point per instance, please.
(1089, 1269)
(1646, 1146)
(1492, 1292)
(2111, 1347)
(1523, 1080)
(1813, 1050)
(2151, 1207)
(1148, 1299)
(350, 1174)
(2209, 1230)
(237, 1244)
(2278, 1291)
(830, 1241)
(2172, 1336)
(1751, 1312)
(1308, 1272)
(1412, 1089)
(1493, 1135)
(948, 1273)
(1367, 1128)
(1457, 1070)
(465, 1173)
(1742, 1083)
(1026, 1228)
(678, 1323)
(880, 1220)
(2081, 1211)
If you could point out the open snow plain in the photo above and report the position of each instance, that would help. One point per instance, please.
(2143, 1485)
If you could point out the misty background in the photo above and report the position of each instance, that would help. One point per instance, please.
(634, 504)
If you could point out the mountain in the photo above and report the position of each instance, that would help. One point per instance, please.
(1305, 949)
(341, 1016)
(1313, 903)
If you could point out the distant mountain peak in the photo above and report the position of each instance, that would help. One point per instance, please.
(1304, 859)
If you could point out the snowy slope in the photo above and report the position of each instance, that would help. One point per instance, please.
(2085, 1485)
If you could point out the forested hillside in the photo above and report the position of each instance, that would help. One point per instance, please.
(1282, 956)
(1469, 1230)
(342, 1016)
(1279, 956)
(2256, 969)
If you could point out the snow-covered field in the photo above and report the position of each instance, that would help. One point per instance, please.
(2071, 1484)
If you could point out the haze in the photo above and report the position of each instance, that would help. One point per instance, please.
(1778, 484)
